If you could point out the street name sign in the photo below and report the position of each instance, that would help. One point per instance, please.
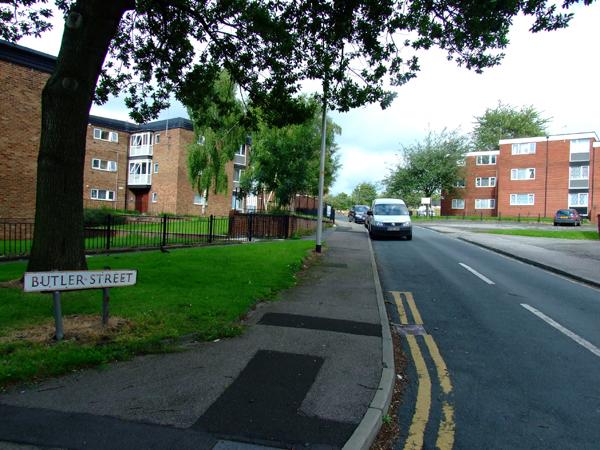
(74, 280)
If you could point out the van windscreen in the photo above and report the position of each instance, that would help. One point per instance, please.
(390, 210)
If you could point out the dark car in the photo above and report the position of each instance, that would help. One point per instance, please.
(358, 213)
(568, 217)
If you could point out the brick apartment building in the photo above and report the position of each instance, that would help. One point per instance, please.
(128, 166)
(531, 177)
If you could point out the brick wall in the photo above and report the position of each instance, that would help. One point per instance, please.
(102, 179)
(20, 122)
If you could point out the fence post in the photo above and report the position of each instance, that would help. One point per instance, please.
(539, 218)
(250, 226)
(164, 231)
(210, 228)
(519, 217)
(481, 216)
(108, 230)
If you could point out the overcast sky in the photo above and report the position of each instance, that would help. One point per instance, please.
(556, 72)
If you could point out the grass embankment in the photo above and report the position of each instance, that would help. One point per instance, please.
(201, 291)
(571, 234)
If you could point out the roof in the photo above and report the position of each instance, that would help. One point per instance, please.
(130, 127)
(553, 137)
(26, 57)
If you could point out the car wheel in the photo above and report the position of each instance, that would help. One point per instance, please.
(555, 224)
(578, 224)
(409, 237)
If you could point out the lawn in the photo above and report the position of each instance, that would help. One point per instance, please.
(558, 234)
(201, 292)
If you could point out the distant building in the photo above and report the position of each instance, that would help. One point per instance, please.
(531, 177)
(127, 166)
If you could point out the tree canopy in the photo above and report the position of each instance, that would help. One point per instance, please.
(285, 160)
(507, 122)
(428, 167)
(152, 49)
(364, 193)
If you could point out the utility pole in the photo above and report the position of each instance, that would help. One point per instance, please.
(321, 177)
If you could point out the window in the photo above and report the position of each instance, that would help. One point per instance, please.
(522, 199)
(458, 203)
(579, 176)
(199, 199)
(136, 168)
(523, 149)
(579, 150)
(486, 160)
(578, 200)
(485, 203)
(241, 151)
(155, 167)
(237, 174)
(522, 174)
(100, 164)
(154, 197)
(485, 181)
(157, 138)
(460, 183)
(104, 135)
(102, 194)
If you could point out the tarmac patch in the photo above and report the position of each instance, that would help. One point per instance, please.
(263, 404)
(321, 323)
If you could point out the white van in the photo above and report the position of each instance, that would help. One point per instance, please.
(389, 217)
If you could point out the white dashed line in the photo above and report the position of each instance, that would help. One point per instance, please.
(477, 274)
(581, 341)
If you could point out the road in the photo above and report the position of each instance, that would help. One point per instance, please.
(502, 355)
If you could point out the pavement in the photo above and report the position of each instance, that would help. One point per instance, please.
(313, 370)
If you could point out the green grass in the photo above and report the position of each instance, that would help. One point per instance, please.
(201, 291)
(570, 234)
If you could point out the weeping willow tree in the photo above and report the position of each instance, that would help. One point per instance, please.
(219, 118)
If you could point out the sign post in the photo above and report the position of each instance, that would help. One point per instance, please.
(57, 282)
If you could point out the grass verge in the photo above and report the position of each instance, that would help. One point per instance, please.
(200, 291)
(571, 234)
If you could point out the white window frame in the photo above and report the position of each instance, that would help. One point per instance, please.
(240, 173)
(580, 176)
(491, 182)
(523, 148)
(579, 203)
(110, 136)
(458, 203)
(154, 197)
(157, 138)
(491, 203)
(491, 160)
(523, 174)
(109, 195)
(517, 199)
(155, 167)
(579, 146)
(241, 151)
(109, 166)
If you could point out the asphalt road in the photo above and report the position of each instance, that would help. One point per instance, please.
(506, 355)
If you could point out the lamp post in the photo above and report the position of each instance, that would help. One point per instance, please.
(321, 178)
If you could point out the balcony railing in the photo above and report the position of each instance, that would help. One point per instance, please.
(140, 150)
(139, 179)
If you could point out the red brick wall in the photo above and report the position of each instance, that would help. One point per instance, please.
(100, 179)
(471, 192)
(594, 200)
(20, 122)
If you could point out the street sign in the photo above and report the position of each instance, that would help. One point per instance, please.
(74, 280)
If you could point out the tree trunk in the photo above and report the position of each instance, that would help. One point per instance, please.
(58, 241)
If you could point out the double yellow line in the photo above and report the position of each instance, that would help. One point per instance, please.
(416, 432)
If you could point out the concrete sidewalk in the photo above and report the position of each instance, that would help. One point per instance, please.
(578, 260)
(314, 370)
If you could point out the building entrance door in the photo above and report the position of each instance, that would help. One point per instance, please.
(141, 202)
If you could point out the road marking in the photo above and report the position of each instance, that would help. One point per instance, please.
(400, 308)
(440, 365)
(477, 274)
(445, 440)
(581, 341)
(416, 431)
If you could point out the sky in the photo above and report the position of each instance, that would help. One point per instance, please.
(555, 72)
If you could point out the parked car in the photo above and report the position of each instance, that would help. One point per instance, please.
(358, 213)
(389, 217)
(567, 216)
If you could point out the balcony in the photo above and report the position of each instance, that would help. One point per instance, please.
(140, 173)
(141, 144)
